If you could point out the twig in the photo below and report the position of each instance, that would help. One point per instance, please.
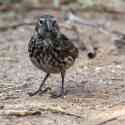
(100, 25)
(72, 18)
(107, 121)
(21, 112)
(16, 25)
(59, 110)
(102, 9)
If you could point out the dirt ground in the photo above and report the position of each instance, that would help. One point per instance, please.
(96, 87)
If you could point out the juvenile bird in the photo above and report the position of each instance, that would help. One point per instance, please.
(51, 51)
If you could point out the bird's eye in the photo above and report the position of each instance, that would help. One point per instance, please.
(54, 22)
(41, 21)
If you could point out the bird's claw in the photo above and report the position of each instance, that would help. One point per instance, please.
(40, 92)
(44, 91)
(61, 94)
(31, 93)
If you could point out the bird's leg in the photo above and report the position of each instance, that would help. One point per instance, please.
(62, 86)
(62, 93)
(40, 88)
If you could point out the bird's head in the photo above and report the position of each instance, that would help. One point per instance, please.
(47, 25)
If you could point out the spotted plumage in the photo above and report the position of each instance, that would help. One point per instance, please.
(50, 50)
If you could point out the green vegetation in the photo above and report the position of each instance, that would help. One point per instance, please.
(87, 3)
(9, 1)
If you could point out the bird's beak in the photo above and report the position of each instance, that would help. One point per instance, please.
(49, 26)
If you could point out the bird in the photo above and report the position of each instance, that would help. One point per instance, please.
(51, 51)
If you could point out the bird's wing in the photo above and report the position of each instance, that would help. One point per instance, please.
(66, 47)
(35, 46)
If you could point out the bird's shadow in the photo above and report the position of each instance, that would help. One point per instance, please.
(79, 89)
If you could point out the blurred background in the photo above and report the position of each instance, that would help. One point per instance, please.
(96, 82)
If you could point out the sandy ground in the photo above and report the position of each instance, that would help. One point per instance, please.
(96, 88)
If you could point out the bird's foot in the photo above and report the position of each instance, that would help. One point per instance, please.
(56, 95)
(32, 93)
(40, 91)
